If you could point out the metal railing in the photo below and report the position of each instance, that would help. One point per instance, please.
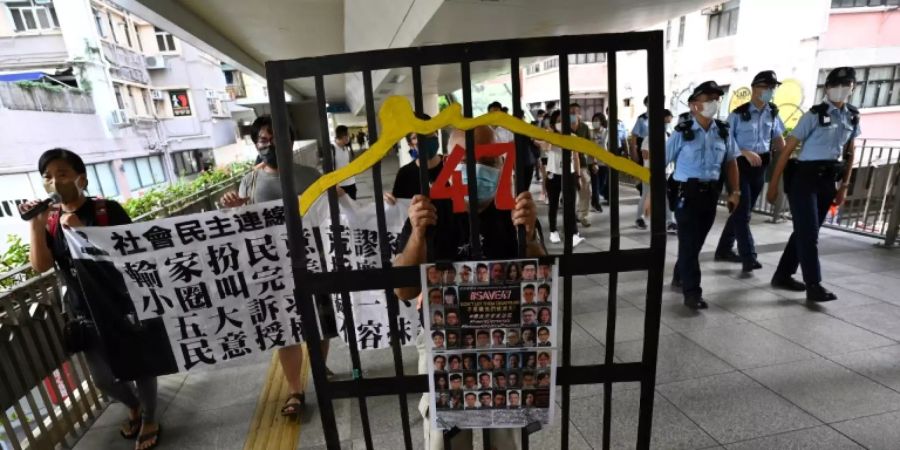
(46, 396)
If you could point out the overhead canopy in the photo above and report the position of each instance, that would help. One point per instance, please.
(21, 76)
(247, 34)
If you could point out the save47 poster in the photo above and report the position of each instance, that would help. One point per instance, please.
(492, 358)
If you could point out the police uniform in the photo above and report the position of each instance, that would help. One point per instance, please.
(694, 189)
(753, 129)
(827, 134)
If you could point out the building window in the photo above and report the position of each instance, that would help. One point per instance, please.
(190, 162)
(120, 101)
(112, 28)
(144, 172)
(101, 181)
(668, 34)
(875, 86)
(28, 16)
(98, 20)
(863, 3)
(681, 24)
(165, 41)
(127, 34)
(724, 23)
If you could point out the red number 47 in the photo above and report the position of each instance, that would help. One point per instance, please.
(449, 183)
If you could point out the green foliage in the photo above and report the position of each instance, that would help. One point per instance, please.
(14, 257)
(40, 85)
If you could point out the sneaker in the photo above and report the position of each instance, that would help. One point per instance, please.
(672, 228)
(640, 223)
(554, 237)
(577, 239)
(728, 256)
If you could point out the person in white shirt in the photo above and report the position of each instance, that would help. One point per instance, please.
(554, 180)
(643, 211)
(501, 135)
(343, 154)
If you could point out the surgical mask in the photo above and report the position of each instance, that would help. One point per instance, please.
(573, 119)
(69, 191)
(767, 95)
(429, 145)
(710, 109)
(270, 156)
(838, 94)
(487, 178)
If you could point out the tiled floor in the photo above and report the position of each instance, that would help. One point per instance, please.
(760, 369)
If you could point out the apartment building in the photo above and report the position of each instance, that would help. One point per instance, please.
(142, 107)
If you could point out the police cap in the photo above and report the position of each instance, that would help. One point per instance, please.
(841, 75)
(766, 77)
(706, 87)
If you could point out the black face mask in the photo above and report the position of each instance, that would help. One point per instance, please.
(269, 156)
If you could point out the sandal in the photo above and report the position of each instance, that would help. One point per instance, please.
(133, 425)
(150, 437)
(293, 409)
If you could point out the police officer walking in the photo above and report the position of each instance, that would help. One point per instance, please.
(755, 126)
(827, 131)
(700, 147)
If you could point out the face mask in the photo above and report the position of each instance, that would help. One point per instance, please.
(573, 119)
(838, 94)
(69, 191)
(558, 127)
(710, 109)
(486, 177)
(429, 145)
(767, 95)
(269, 156)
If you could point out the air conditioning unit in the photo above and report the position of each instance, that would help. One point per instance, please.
(119, 117)
(155, 62)
(157, 94)
(713, 9)
(211, 94)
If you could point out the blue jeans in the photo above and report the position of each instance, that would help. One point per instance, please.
(695, 214)
(737, 227)
(811, 194)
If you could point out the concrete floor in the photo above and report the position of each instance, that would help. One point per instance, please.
(759, 369)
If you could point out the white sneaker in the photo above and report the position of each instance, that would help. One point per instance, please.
(554, 237)
(577, 239)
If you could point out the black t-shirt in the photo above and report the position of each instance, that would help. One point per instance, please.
(56, 240)
(451, 234)
(406, 184)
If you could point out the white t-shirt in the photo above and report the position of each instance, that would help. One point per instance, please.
(645, 145)
(502, 135)
(554, 160)
(342, 159)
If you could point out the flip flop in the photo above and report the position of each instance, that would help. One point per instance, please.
(150, 436)
(294, 409)
(133, 425)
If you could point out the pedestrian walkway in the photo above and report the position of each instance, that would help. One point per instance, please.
(760, 369)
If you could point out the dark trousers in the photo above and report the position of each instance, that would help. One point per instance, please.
(350, 190)
(554, 189)
(599, 185)
(738, 225)
(695, 213)
(528, 172)
(811, 193)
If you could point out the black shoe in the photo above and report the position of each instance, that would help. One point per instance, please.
(676, 284)
(695, 302)
(728, 256)
(640, 223)
(817, 293)
(751, 266)
(788, 283)
(597, 207)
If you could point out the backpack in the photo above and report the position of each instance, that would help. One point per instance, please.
(100, 213)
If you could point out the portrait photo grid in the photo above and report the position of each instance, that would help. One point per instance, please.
(492, 342)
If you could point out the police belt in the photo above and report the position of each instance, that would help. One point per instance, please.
(829, 169)
(693, 187)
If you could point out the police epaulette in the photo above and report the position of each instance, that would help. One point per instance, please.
(643, 116)
(723, 129)
(744, 111)
(685, 127)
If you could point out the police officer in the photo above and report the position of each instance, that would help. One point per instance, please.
(827, 131)
(755, 126)
(700, 147)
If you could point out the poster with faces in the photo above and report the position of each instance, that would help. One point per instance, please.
(493, 342)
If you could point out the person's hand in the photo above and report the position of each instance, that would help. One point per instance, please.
(840, 196)
(390, 199)
(39, 221)
(595, 168)
(772, 192)
(752, 157)
(70, 220)
(525, 213)
(422, 214)
(340, 192)
(232, 200)
(645, 154)
(734, 199)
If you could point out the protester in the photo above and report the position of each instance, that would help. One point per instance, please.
(406, 183)
(343, 154)
(65, 174)
(499, 240)
(555, 181)
(599, 171)
(263, 184)
(583, 173)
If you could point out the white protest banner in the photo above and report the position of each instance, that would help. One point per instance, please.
(492, 358)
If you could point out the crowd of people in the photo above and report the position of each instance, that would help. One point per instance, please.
(703, 152)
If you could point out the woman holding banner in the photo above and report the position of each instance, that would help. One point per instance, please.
(65, 179)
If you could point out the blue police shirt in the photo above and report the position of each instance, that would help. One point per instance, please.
(641, 128)
(755, 134)
(825, 142)
(701, 157)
